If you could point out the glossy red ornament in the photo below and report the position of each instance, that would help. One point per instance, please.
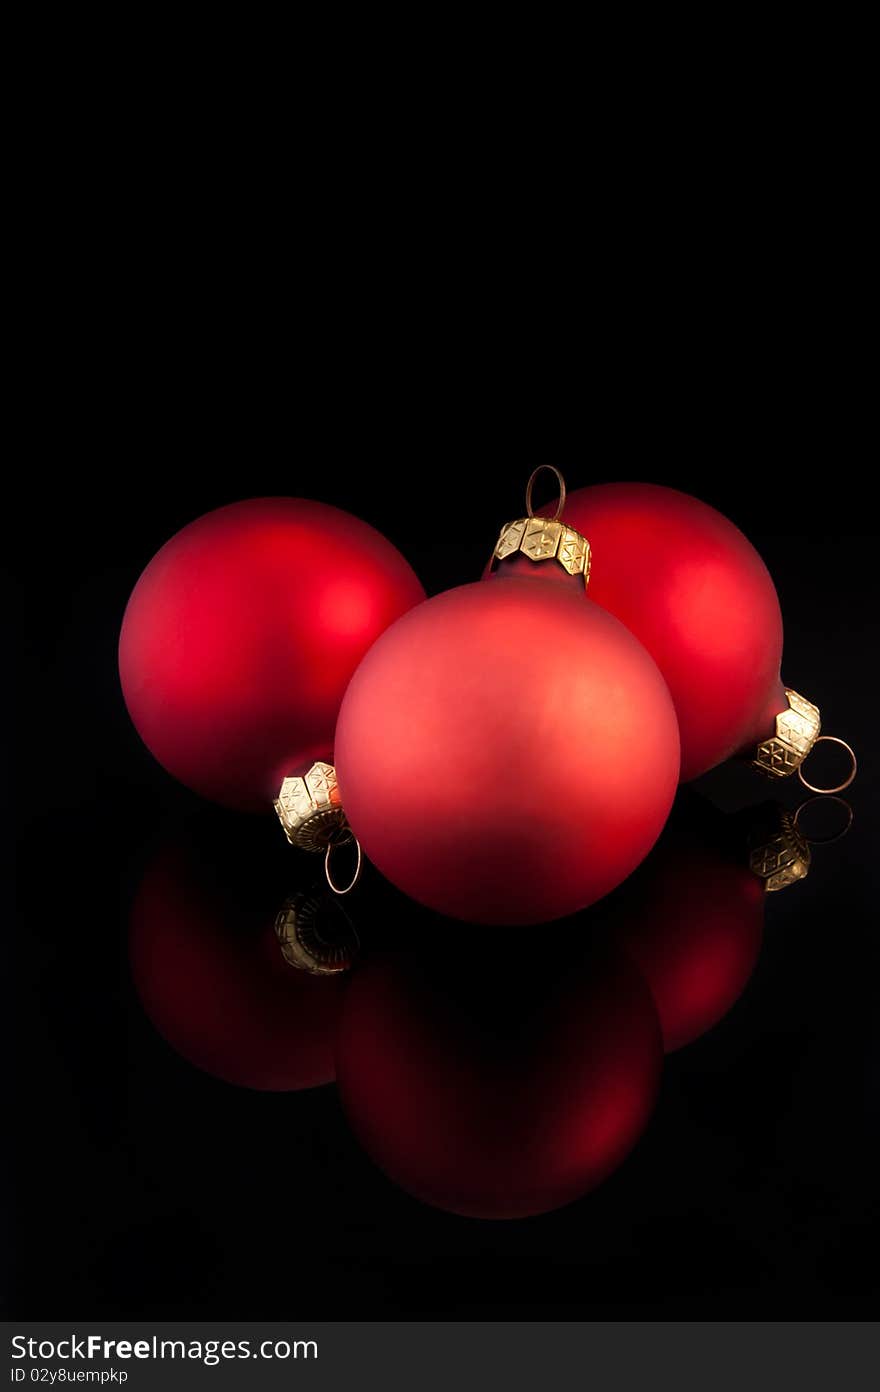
(507, 753)
(241, 635)
(210, 975)
(693, 921)
(500, 1087)
(694, 591)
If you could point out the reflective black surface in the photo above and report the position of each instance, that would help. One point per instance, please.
(161, 1174)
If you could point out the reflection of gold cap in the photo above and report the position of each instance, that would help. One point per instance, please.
(779, 854)
(310, 809)
(315, 935)
(797, 730)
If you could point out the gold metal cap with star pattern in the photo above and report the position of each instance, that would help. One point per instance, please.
(797, 730)
(796, 735)
(544, 538)
(310, 809)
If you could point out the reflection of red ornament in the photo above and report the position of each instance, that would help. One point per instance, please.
(693, 921)
(695, 592)
(500, 1088)
(241, 635)
(507, 753)
(212, 978)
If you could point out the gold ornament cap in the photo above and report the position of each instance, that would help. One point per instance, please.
(798, 731)
(544, 538)
(310, 809)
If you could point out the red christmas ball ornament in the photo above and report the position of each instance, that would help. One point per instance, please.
(507, 753)
(499, 1088)
(216, 982)
(241, 635)
(694, 591)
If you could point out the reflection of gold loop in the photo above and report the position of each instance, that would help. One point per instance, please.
(824, 840)
(357, 869)
(831, 739)
(531, 483)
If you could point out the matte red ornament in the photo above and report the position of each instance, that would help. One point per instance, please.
(241, 635)
(694, 591)
(507, 753)
(211, 977)
(499, 1088)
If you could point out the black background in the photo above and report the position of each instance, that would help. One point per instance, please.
(147, 1188)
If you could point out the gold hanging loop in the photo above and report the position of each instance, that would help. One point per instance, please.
(357, 869)
(829, 792)
(531, 484)
(543, 539)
